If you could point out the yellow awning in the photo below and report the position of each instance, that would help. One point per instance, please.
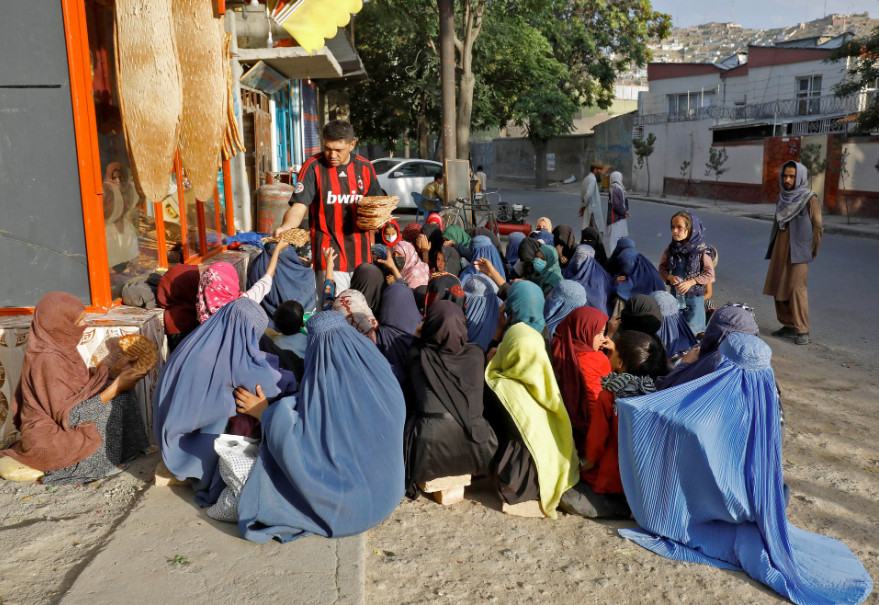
(310, 22)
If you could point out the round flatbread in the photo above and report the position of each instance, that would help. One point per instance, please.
(140, 350)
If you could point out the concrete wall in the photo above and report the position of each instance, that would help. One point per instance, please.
(613, 144)
(861, 161)
(513, 158)
(775, 82)
(745, 163)
(817, 179)
(675, 142)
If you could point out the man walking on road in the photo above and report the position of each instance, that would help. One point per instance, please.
(590, 200)
(796, 236)
(328, 188)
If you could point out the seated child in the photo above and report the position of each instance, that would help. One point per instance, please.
(288, 320)
(637, 359)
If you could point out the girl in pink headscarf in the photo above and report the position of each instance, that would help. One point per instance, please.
(415, 271)
(219, 286)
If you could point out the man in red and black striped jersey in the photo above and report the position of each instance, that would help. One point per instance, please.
(328, 188)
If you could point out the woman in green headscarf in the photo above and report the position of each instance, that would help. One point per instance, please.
(455, 233)
(538, 461)
(546, 269)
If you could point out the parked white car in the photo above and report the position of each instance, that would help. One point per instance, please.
(401, 176)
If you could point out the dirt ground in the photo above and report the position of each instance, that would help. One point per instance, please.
(471, 552)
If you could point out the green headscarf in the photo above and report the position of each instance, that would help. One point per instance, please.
(524, 304)
(552, 273)
(457, 235)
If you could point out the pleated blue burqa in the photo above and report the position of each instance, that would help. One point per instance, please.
(701, 468)
(193, 400)
(291, 281)
(331, 461)
(675, 332)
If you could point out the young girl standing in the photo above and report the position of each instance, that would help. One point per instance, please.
(687, 267)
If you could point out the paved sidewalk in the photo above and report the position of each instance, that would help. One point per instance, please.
(169, 550)
(833, 223)
(859, 226)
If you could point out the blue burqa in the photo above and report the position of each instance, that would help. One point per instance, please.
(481, 309)
(566, 296)
(292, 281)
(481, 247)
(193, 399)
(701, 467)
(398, 317)
(512, 256)
(641, 276)
(731, 317)
(331, 461)
(675, 332)
(598, 283)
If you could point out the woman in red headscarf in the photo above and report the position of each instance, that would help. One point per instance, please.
(75, 426)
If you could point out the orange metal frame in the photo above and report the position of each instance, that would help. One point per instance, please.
(88, 160)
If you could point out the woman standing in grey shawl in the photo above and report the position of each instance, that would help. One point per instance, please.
(796, 236)
(617, 213)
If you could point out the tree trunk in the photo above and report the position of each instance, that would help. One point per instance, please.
(540, 175)
(647, 163)
(447, 73)
(465, 111)
(423, 134)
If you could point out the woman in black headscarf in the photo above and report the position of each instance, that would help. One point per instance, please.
(444, 286)
(398, 318)
(565, 243)
(369, 281)
(591, 237)
(446, 260)
(447, 434)
(641, 313)
(527, 253)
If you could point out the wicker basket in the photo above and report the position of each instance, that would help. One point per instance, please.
(375, 211)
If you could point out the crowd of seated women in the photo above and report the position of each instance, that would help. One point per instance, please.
(566, 379)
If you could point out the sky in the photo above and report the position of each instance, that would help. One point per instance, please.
(759, 14)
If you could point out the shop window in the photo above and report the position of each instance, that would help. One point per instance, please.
(190, 228)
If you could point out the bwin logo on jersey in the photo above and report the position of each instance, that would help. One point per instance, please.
(343, 199)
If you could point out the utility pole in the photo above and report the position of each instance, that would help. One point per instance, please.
(447, 62)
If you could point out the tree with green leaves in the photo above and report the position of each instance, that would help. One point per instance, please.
(861, 56)
(686, 175)
(593, 41)
(810, 157)
(717, 158)
(643, 149)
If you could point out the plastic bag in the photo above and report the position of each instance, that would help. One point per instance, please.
(237, 456)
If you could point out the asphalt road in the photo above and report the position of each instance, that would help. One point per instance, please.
(843, 280)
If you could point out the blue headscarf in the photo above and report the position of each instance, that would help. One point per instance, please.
(292, 281)
(513, 242)
(701, 467)
(398, 317)
(331, 461)
(675, 332)
(545, 237)
(481, 247)
(623, 243)
(379, 251)
(525, 305)
(193, 399)
(731, 317)
(598, 283)
(481, 309)
(564, 298)
(641, 276)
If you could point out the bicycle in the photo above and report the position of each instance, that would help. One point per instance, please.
(472, 214)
